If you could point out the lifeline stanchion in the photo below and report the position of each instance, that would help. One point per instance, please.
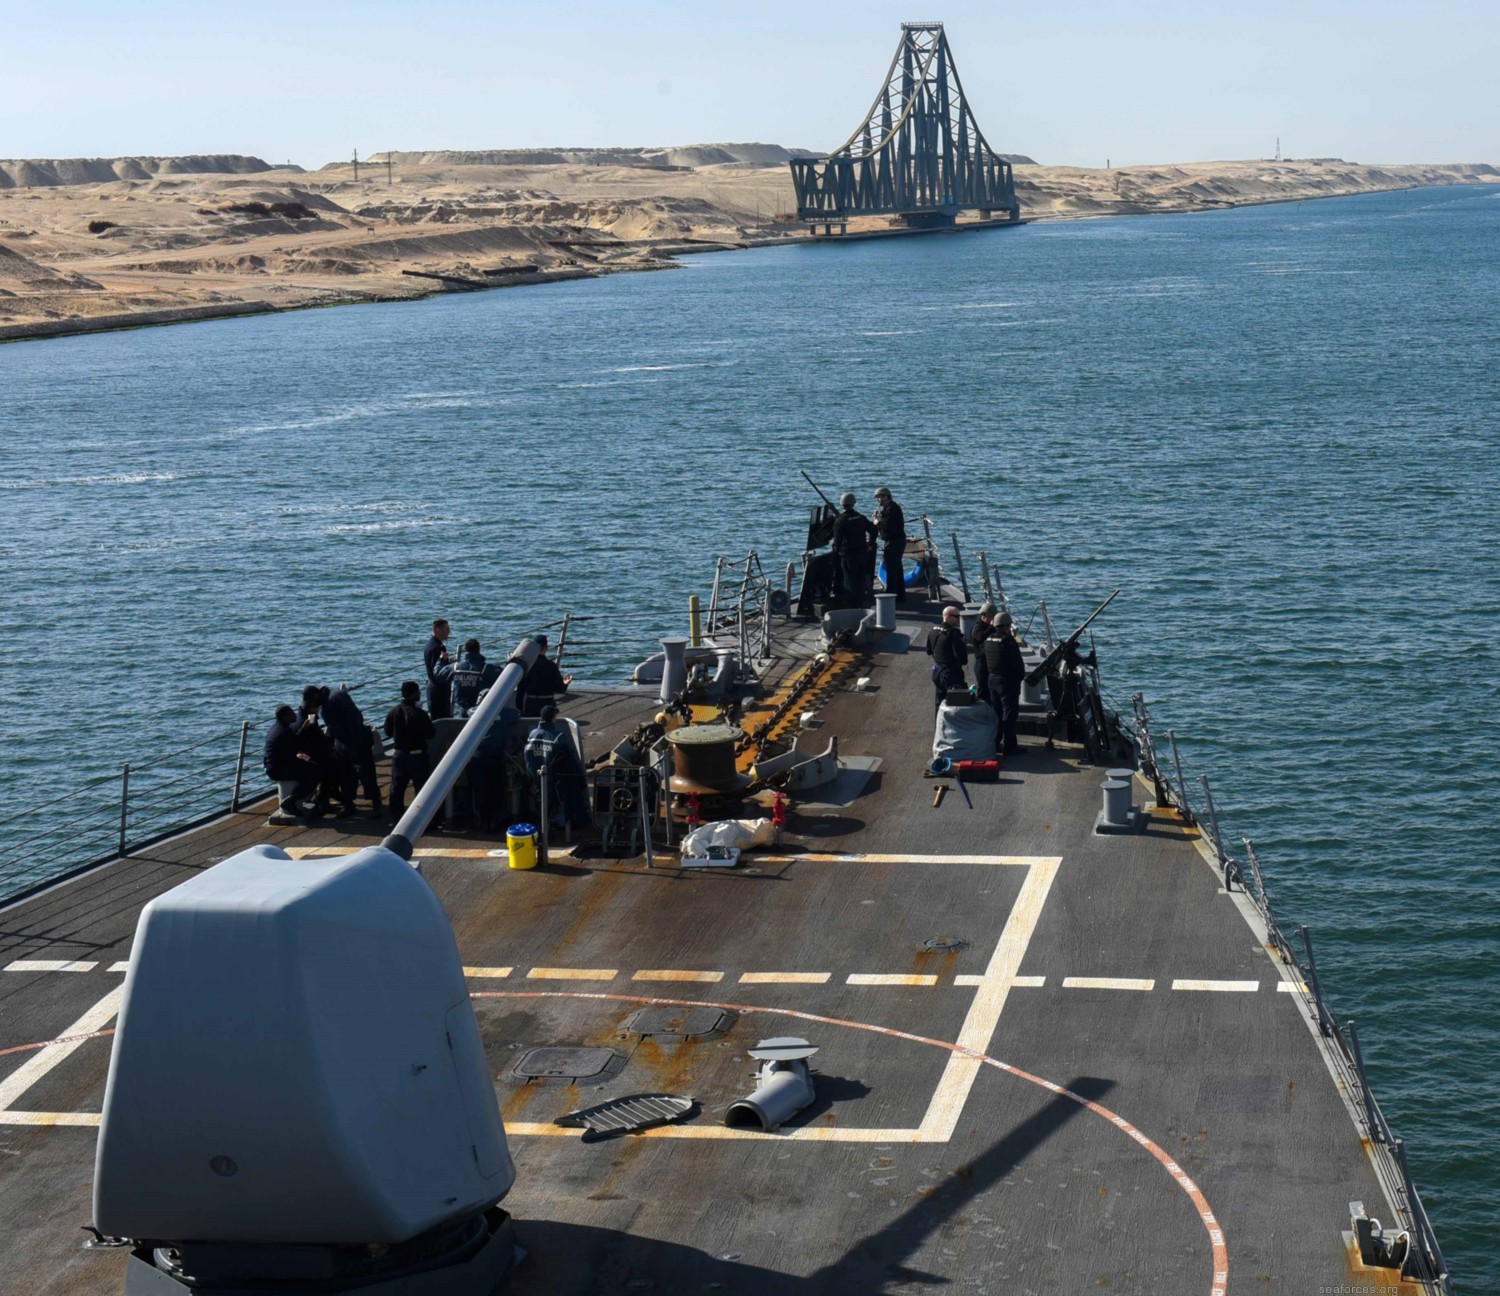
(239, 768)
(124, 804)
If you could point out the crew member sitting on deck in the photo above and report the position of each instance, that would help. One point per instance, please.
(853, 540)
(439, 695)
(543, 682)
(471, 675)
(410, 729)
(945, 645)
(890, 524)
(285, 762)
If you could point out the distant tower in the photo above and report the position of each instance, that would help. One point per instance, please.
(1278, 148)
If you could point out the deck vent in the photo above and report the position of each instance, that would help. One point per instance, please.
(785, 1087)
(625, 1115)
(943, 945)
(563, 1064)
(674, 1025)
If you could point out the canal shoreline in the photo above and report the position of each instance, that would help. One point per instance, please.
(664, 253)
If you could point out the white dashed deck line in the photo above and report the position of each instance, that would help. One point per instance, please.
(494, 972)
(785, 978)
(889, 979)
(1289, 987)
(572, 974)
(1223, 987)
(50, 965)
(1108, 983)
(122, 966)
(1029, 982)
(676, 974)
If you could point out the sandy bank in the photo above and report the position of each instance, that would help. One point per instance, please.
(159, 243)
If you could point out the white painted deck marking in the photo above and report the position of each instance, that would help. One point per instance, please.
(496, 972)
(984, 1012)
(1030, 982)
(676, 974)
(785, 978)
(1289, 987)
(1108, 983)
(889, 979)
(50, 965)
(1224, 987)
(572, 974)
(122, 966)
(15, 1085)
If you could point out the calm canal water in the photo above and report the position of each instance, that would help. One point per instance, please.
(1275, 428)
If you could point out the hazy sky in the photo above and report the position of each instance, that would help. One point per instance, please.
(1367, 80)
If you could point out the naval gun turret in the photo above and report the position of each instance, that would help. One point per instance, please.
(298, 1098)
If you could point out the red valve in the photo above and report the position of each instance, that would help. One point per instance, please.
(778, 811)
(694, 811)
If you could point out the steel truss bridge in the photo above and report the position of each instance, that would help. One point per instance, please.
(919, 153)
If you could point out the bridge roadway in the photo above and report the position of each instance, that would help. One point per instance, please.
(1105, 1086)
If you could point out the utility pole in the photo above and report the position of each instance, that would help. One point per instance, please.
(1278, 148)
(388, 180)
(356, 166)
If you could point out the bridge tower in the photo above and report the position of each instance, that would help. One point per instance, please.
(919, 153)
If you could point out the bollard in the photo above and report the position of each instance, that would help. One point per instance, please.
(1117, 805)
(695, 621)
(673, 668)
(885, 611)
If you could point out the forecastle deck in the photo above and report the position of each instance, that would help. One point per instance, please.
(1050, 1061)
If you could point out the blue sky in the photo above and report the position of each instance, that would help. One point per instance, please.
(1064, 82)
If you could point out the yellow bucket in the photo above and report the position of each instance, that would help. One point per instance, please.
(522, 842)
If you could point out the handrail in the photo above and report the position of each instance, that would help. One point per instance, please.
(1425, 1258)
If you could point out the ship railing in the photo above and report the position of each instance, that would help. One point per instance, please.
(112, 816)
(1164, 769)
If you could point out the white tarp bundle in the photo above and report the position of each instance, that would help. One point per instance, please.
(965, 732)
(743, 833)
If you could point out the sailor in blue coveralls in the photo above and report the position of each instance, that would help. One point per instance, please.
(471, 675)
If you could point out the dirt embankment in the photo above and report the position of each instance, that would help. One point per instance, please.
(161, 239)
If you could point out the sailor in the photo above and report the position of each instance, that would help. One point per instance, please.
(543, 682)
(285, 762)
(853, 540)
(984, 627)
(312, 740)
(410, 729)
(1007, 669)
(435, 655)
(549, 752)
(890, 524)
(471, 676)
(945, 645)
(353, 746)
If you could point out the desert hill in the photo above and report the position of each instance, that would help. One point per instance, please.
(32, 173)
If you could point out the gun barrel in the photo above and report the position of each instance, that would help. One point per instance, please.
(817, 488)
(1047, 664)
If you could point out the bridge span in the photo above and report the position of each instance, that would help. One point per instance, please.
(918, 155)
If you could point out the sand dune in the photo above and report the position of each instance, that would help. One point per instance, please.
(104, 243)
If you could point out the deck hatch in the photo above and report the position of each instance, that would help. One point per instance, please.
(675, 1025)
(570, 1064)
